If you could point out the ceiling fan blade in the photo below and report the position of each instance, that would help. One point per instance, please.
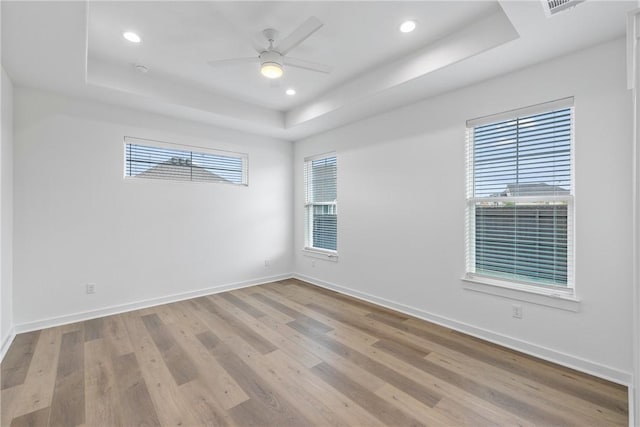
(299, 35)
(306, 65)
(217, 62)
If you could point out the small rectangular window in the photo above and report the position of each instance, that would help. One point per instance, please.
(321, 203)
(161, 160)
(520, 196)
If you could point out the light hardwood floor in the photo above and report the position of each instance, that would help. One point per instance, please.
(287, 353)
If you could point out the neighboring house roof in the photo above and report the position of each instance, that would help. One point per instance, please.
(536, 188)
(180, 170)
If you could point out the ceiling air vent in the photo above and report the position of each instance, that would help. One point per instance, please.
(551, 7)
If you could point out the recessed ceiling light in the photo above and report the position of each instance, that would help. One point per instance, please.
(131, 36)
(407, 26)
(290, 92)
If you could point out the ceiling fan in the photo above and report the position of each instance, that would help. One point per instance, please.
(272, 59)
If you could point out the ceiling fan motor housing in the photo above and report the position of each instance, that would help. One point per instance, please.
(271, 56)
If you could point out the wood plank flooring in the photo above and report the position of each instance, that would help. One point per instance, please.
(287, 354)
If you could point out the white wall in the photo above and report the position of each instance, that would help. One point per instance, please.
(401, 211)
(6, 213)
(77, 221)
(633, 69)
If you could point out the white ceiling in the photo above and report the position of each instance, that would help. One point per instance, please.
(77, 48)
(179, 38)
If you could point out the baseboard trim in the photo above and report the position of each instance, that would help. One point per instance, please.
(6, 343)
(541, 352)
(122, 308)
(545, 353)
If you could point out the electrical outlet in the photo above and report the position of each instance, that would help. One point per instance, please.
(516, 311)
(267, 263)
(91, 288)
(313, 263)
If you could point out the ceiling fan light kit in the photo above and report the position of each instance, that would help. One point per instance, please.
(273, 58)
(271, 70)
(271, 64)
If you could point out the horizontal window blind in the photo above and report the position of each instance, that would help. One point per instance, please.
(524, 156)
(146, 159)
(520, 198)
(523, 241)
(321, 216)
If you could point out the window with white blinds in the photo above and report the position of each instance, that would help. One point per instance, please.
(161, 160)
(321, 207)
(520, 196)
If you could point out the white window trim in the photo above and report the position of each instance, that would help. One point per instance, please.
(320, 254)
(311, 251)
(535, 294)
(194, 148)
(552, 296)
(558, 104)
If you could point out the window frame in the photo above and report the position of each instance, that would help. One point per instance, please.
(308, 224)
(244, 157)
(564, 296)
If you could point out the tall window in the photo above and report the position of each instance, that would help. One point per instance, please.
(520, 196)
(321, 209)
(161, 160)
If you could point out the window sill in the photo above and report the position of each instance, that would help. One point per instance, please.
(320, 254)
(180, 181)
(540, 296)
